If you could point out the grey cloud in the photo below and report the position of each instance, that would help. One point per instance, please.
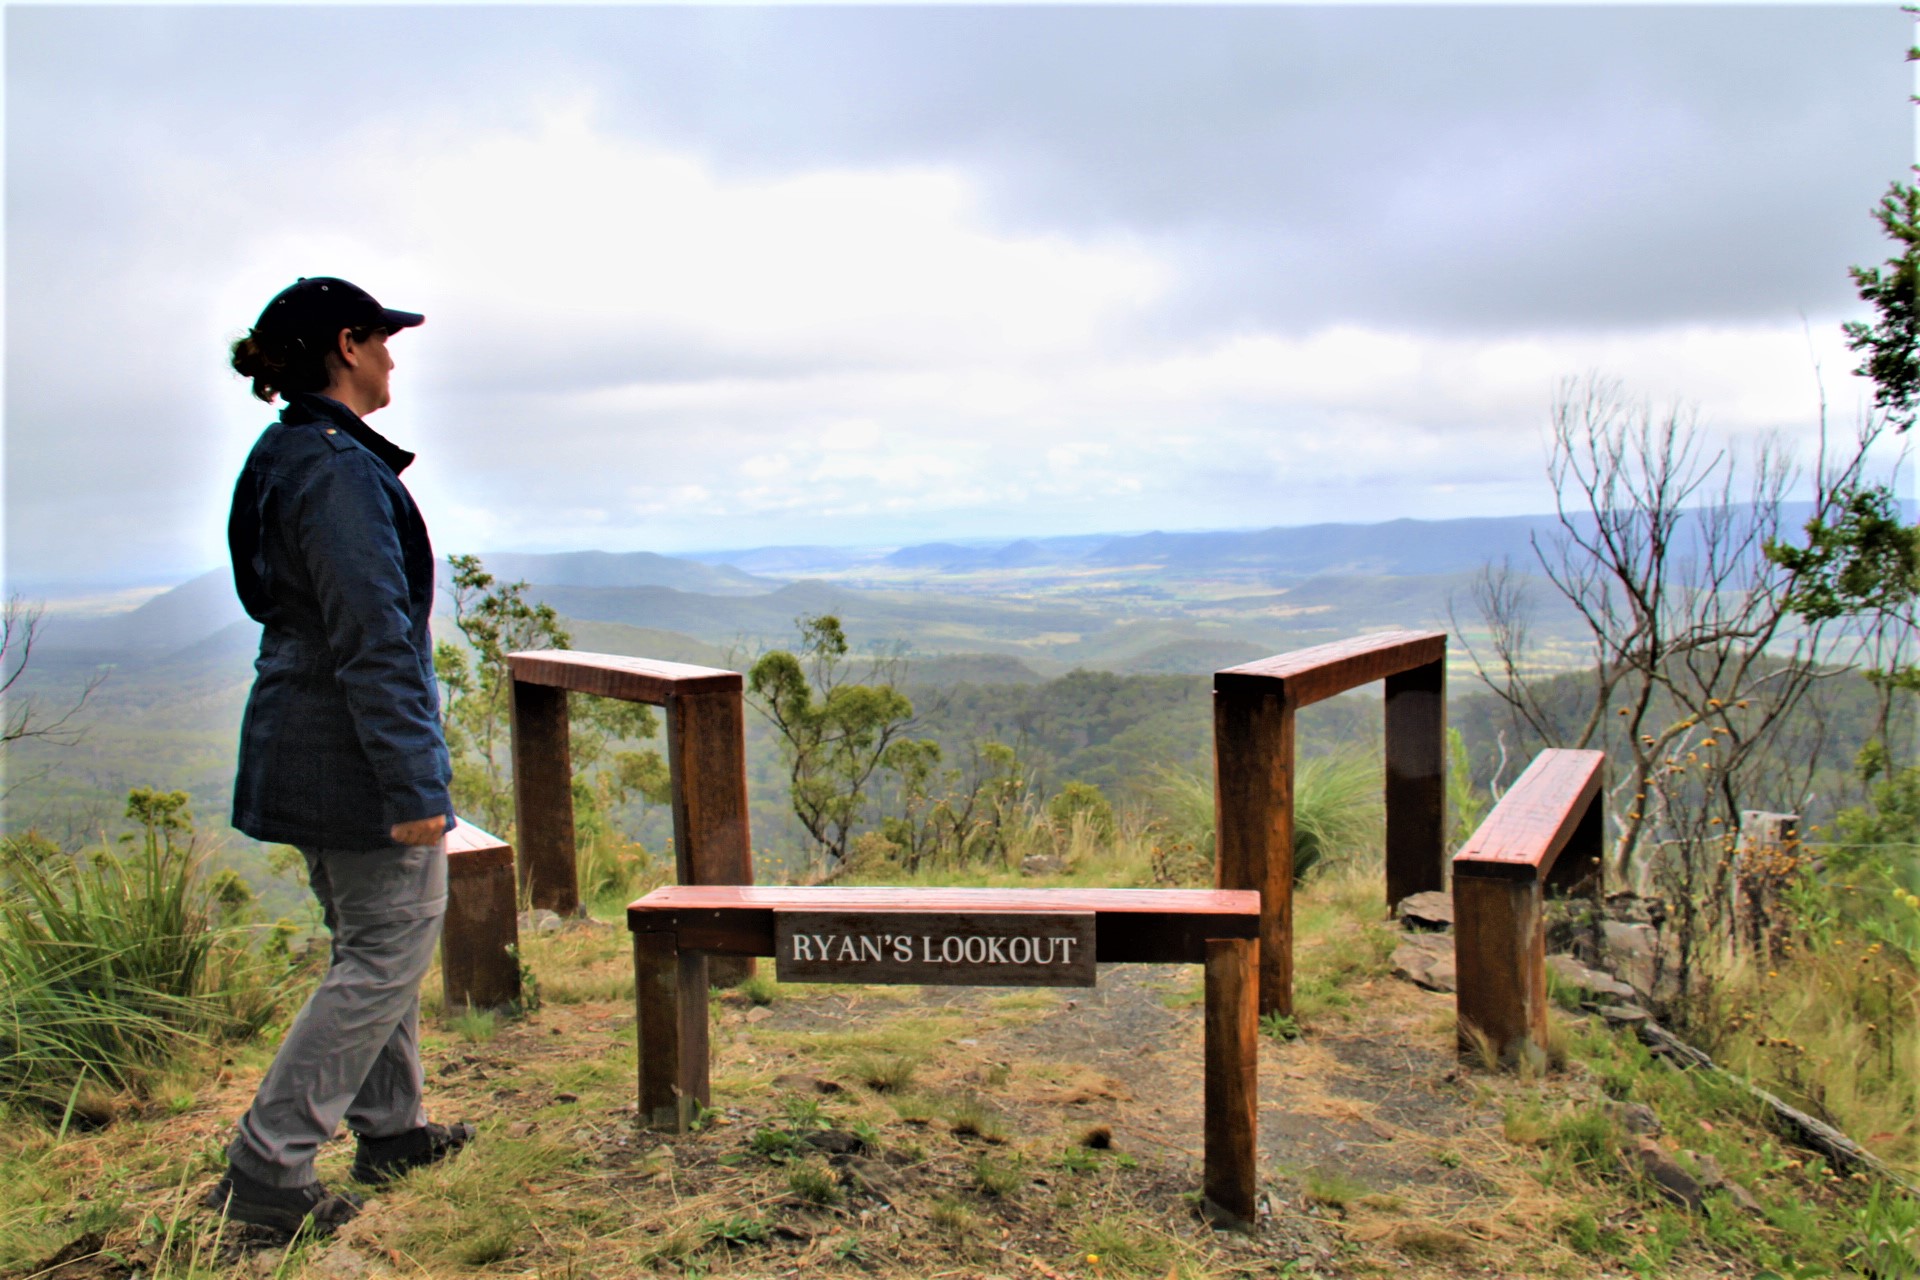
(1496, 168)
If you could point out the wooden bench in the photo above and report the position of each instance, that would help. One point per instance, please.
(1253, 714)
(479, 966)
(1547, 831)
(954, 937)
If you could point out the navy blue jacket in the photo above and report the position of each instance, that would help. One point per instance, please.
(342, 734)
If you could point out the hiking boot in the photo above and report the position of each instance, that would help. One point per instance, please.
(244, 1198)
(379, 1161)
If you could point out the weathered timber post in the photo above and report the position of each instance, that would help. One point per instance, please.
(1546, 830)
(543, 798)
(1416, 749)
(706, 759)
(1253, 717)
(478, 963)
(670, 1004)
(1232, 1081)
(1253, 824)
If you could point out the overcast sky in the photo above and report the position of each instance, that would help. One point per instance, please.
(701, 278)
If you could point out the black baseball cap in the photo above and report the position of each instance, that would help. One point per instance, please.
(321, 306)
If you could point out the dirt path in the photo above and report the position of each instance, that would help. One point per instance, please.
(1045, 1134)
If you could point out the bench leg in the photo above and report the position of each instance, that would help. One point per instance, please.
(1416, 749)
(543, 798)
(481, 936)
(1232, 1084)
(670, 1013)
(1500, 955)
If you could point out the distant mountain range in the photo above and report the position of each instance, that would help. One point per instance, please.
(1123, 601)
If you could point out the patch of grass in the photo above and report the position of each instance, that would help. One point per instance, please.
(761, 989)
(475, 1026)
(118, 963)
(803, 1113)
(735, 1230)
(1279, 1026)
(477, 1209)
(1524, 1123)
(774, 1144)
(993, 1176)
(954, 1218)
(1023, 1001)
(1586, 1140)
(969, 1117)
(1433, 1244)
(1333, 1188)
(914, 1108)
(1185, 994)
(1078, 1159)
(814, 1182)
(1117, 1245)
(885, 1072)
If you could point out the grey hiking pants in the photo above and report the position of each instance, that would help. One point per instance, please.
(353, 1051)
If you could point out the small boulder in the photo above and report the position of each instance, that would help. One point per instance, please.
(1624, 1015)
(1042, 864)
(1591, 981)
(1675, 1183)
(806, 1084)
(1636, 1118)
(834, 1142)
(1425, 911)
(540, 920)
(1426, 960)
(1633, 951)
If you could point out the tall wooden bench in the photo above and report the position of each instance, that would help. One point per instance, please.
(1253, 714)
(706, 759)
(964, 937)
(479, 942)
(1546, 832)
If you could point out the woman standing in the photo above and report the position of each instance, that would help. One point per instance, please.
(341, 752)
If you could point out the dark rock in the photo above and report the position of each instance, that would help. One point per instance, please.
(74, 1251)
(1426, 960)
(806, 1084)
(833, 1141)
(1675, 1183)
(1425, 911)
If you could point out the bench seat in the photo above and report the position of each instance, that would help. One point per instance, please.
(1131, 926)
(676, 929)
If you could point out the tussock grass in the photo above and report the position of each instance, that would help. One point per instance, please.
(885, 1072)
(117, 963)
(473, 1210)
(1835, 1029)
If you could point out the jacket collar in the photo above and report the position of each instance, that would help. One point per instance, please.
(308, 406)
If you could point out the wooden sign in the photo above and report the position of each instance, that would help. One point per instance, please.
(950, 949)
